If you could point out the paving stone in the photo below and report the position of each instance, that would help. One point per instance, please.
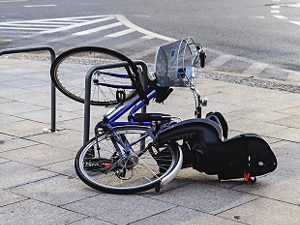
(119, 209)
(291, 121)
(62, 139)
(250, 126)
(6, 119)
(292, 110)
(288, 158)
(65, 167)
(232, 98)
(26, 83)
(3, 160)
(35, 98)
(259, 115)
(12, 108)
(58, 190)
(24, 128)
(205, 198)
(291, 134)
(184, 216)
(93, 221)
(15, 174)
(11, 93)
(264, 211)
(35, 212)
(38, 155)
(15, 143)
(68, 105)
(7, 198)
(196, 176)
(276, 187)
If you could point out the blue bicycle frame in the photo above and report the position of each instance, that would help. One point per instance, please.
(132, 107)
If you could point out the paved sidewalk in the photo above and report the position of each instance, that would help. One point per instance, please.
(39, 185)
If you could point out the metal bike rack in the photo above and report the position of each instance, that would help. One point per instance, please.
(87, 97)
(52, 54)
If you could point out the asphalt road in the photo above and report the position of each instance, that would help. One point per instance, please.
(236, 34)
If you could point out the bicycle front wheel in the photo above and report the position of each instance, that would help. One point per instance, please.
(69, 69)
(141, 169)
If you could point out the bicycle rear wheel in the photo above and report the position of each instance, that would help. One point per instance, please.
(141, 170)
(69, 69)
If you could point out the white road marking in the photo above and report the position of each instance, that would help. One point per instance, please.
(275, 7)
(255, 69)
(295, 22)
(7, 1)
(219, 61)
(294, 76)
(29, 25)
(260, 17)
(121, 33)
(24, 28)
(78, 25)
(129, 24)
(280, 17)
(38, 6)
(147, 37)
(275, 11)
(89, 31)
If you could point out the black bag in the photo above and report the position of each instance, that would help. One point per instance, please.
(205, 148)
(243, 156)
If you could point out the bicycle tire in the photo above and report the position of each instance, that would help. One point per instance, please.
(142, 173)
(69, 69)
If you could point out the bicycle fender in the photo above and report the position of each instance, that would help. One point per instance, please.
(205, 131)
(167, 179)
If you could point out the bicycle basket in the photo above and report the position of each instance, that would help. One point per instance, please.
(177, 63)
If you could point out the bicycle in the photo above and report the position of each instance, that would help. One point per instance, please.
(148, 150)
(126, 146)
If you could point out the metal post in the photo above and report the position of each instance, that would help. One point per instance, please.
(87, 97)
(53, 99)
(53, 91)
(143, 79)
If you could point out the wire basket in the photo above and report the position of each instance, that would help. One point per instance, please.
(177, 64)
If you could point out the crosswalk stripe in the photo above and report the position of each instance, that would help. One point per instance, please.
(219, 61)
(42, 23)
(24, 28)
(78, 25)
(255, 69)
(295, 22)
(94, 30)
(280, 17)
(38, 6)
(120, 33)
(294, 76)
(18, 26)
